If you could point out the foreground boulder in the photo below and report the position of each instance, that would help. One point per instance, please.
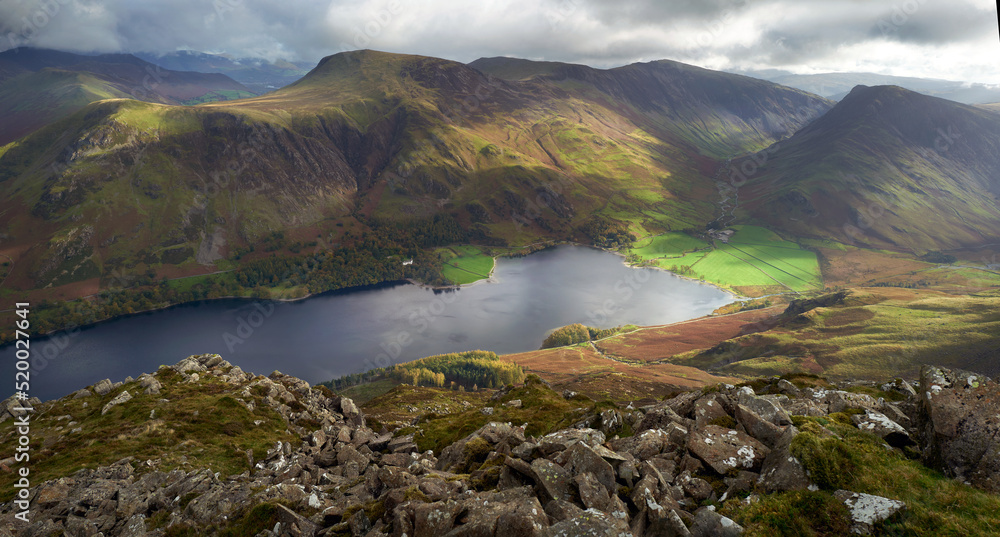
(959, 423)
(867, 510)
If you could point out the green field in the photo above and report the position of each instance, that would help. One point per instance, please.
(465, 264)
(754, 258)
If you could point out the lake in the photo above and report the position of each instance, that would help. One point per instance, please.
(346, 332)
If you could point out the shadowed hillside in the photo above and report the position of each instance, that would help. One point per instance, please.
(886, 168)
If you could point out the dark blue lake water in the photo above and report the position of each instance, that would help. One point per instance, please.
(338, 333)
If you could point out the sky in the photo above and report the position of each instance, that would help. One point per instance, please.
(949, 39)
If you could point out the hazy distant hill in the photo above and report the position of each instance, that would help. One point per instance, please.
(38, 86)
(837, 85)
(887, 167)
(257, 74)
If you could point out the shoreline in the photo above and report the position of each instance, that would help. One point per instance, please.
(408, 281)
(736, 296)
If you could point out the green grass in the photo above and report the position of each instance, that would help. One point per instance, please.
(465, 264)
(754, 258)
(668, 246)
(542, 409)
(878, 333)
(366, 391)
(220, 95)
(202, 421)
(860, 462)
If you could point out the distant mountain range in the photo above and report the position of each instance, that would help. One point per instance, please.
(514, 150)
(836, 86)
(38, 86)
(258, 74)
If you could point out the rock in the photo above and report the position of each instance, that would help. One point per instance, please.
(883, 427)
(627, 472)
(348, 408)
(608, 455)
(781, 471)
(840, 401)
(562, 440)
(743, 482)
(524, 451)
(726, 449)
(81, 393)
(380, 442)
(580, 458)
(763, 407)
(103, 387)
(561, 510)
(896, 414)
(645, 444)
(149, 384)
(498, 437)
(552, 480)
(592, 493)
(123, 397)
(304, 526)
(523, 518)
(957, 423)
(708, 523)
(806, 407)
(514, 403)
(664, 523)
(899, 386)
(191, 363)
(660, 416)
(410, 447)
(682, 404)
(402, 460)
(788, 388)
(756, 426)
(695, 487)
(867, 510)
(590, 523)
(709, 410)
(486, 411)
(435, 518)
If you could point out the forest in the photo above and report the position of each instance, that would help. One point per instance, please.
(374, 257)
(469, 370)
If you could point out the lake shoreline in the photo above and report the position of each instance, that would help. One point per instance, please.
(343, 331)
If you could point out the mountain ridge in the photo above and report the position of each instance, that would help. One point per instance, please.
(886, 167)
(371, 134)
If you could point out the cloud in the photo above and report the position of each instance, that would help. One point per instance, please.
(797, 35)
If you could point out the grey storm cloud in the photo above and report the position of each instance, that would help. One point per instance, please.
(915, 37)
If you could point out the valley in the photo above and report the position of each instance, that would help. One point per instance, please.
(653, 299)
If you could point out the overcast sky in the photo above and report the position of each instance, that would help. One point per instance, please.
(953, 39)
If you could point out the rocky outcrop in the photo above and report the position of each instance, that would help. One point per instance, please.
(958, 421)
(340, 477)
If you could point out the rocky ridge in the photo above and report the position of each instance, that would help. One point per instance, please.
(685, 457)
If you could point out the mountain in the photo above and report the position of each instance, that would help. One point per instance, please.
(38, 86)
(369, 136)
(886, 168)
(837, 85)
(257, 74)
(719, 113)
